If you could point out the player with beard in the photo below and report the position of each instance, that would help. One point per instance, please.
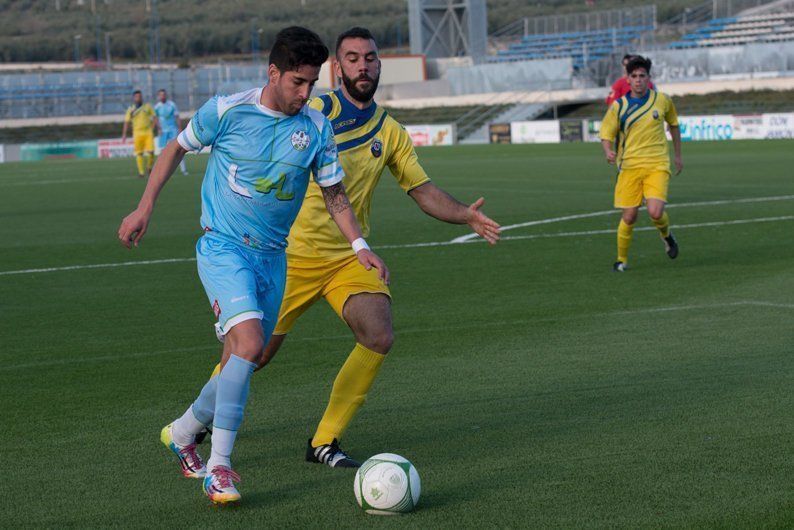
(320, 263)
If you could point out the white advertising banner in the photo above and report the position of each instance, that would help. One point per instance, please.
(2, 153)
(695, 128)
(535, 132)
(423, 135)
(591, 130)
(750, 127)
(114, 148)
(778, 126)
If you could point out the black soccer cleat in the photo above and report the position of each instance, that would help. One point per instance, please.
(670, 245)
(330, 455)
(619, 266)
(203, 434)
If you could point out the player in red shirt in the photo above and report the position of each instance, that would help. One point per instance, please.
(621, 87)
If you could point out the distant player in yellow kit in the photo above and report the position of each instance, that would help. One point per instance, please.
(319, 265)
(633, 137)
(144, 121)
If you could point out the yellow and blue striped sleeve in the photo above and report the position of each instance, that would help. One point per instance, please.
(403, 162)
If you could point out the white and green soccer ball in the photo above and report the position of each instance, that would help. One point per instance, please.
(387, 484)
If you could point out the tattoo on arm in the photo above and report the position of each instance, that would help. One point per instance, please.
(335, 198)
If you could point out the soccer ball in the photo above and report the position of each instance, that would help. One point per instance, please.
(387, 484)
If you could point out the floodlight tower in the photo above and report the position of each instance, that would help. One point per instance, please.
(448, 28)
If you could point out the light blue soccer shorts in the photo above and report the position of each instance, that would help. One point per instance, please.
(241, 284)
(165, 137)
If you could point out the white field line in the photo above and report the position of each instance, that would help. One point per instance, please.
(650, 228)
(602, 213)
(98, 266)
(211, 346)
(474, 238)
(64, 181)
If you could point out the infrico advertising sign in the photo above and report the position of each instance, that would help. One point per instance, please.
(694, 128)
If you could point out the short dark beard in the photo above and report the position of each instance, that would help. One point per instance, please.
(355, 93)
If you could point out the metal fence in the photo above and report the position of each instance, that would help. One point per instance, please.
(51, 94)
(598, 20)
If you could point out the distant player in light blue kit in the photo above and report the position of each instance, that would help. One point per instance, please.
(168, 122)
(265, 144)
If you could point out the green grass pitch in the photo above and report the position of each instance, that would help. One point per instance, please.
(529, 384)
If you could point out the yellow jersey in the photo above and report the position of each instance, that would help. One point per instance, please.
(368, 141)
(636, 127)
(142, 119)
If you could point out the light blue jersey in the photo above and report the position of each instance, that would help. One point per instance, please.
(259, 168)
(167, 115)
(253, 188)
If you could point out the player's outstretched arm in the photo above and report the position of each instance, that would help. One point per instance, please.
(134, 226)
(675, 133)
(439, 204)
(338, 206)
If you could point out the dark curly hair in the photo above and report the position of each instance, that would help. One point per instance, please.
(296, 46)
(638, 61)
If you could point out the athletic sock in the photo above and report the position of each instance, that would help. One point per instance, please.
(232, 395)
(185, 429)
(624, 240)
(204, 406)
(348, 393)
(149, 161)
(222, 445)
(139, 163)
(662, 224)
(216, 370)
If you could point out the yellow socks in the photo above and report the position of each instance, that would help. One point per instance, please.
(662, 224)
(139, 162)
(149, 161)
(216, 371)
(348, 393)
(624, 240)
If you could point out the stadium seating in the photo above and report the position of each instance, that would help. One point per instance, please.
(742, 30)
(581, 46)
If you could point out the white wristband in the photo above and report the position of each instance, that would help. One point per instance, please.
(359, 244)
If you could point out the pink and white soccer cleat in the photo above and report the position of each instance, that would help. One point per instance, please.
(189, 460)
(219, 485)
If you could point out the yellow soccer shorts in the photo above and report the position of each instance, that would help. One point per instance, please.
(635, 184)
(308, 280)
(143, 143)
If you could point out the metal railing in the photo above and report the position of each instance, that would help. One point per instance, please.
(593, 21)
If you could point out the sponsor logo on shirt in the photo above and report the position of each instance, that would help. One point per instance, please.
(300, 140)
(345, 123)
(377, 148)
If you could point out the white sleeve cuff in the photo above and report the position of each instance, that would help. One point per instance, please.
(188, 140)
(329, 175)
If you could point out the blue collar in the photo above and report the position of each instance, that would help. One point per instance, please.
(638, 101)
(351, 117)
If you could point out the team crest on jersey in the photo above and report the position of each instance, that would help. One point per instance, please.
(656, 115)
(300, 140)
(377, 148)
